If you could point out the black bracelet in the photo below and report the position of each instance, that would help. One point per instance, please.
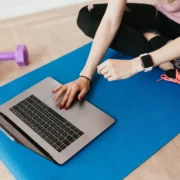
(86, 78)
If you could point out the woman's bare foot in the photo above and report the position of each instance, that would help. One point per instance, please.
(165, 66)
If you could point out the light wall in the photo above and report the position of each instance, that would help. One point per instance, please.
(13, 8)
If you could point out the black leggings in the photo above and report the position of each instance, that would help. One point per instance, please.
(129, 38)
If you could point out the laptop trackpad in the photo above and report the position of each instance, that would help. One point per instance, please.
(76, 112)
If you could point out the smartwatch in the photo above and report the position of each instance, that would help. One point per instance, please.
(147, 62)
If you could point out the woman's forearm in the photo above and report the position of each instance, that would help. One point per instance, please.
(103, 38)
(167, 53)
(102, 41)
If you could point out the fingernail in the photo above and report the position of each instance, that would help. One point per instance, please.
(53, 91)
(81, 98)
(60, 106)
(66, 107)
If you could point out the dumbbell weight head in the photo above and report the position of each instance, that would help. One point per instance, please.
(21, 55)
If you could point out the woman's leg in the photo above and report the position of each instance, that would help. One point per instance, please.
(129, 39)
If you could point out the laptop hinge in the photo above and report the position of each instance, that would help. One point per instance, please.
(12, 137)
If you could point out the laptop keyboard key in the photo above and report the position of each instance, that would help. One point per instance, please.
(59, 123)
(63, 146)
(50, 129)
(46, 126)
(80, 133)
(50, 137)
(64, 134)
(66, 142)
(60, 131)
(67, 124)
(63, 126)
(76, 136)
(59, 149)
(57, 135)
(61, 138)
(56, 128)
(67, 129)
(53, 132)
(59, 143)
(70, 138)
(71, 132)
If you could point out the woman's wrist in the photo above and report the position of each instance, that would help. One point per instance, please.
(88, 75)
(87, 72)
(137, 65)
(85, 77)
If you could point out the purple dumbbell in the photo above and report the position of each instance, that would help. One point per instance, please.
(20, 55)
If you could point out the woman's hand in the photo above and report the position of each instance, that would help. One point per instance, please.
(81, 86)
(119, 69)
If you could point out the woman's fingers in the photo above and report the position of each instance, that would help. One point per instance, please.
(101, 67)
(104, 71)
(66, 96)
(71, 97)
(60, 92)
(111, 78)
(107, 75)
(82, 94)
(70, 90)
(58, 88)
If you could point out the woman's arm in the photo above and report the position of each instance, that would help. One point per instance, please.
(104, 35)
(122, 69)
(167, 53)
(103, 38)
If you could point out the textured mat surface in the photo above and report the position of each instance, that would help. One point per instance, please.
(146, 113)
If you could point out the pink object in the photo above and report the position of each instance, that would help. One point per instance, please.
(170, 8)
(90, 7)
(20, 55)
(166, 78)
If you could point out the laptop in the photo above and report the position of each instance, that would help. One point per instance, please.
(33, 119)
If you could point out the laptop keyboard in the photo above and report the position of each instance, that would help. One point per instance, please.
(47, 123)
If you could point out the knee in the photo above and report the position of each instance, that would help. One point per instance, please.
(85, 22)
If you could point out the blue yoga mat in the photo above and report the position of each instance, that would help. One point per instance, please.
(146, 114)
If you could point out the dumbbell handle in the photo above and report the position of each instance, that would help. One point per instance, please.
(7, 56)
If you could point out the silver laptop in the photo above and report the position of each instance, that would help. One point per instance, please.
(35, 120)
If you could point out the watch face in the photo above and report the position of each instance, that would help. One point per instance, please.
(147, 61)
(177, 63)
